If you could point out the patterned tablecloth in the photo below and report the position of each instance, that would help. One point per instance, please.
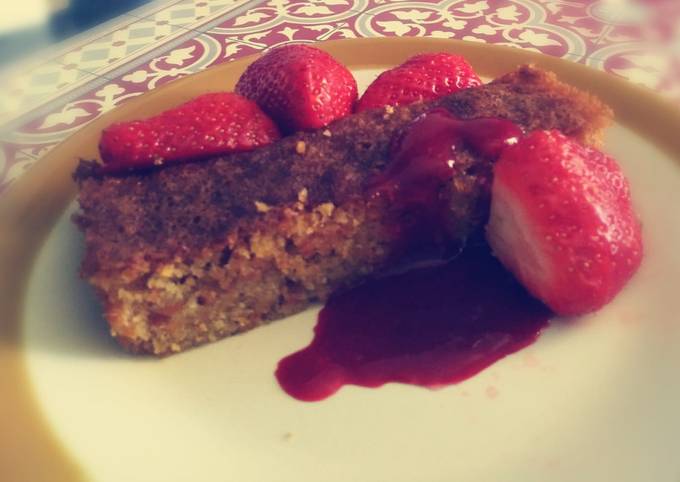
(44, 99)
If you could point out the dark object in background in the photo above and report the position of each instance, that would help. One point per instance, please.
(79, 16)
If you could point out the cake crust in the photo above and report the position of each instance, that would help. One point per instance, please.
(187, 254)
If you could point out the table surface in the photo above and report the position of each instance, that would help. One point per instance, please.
(45, 98)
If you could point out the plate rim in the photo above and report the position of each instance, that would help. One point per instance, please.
(30, 207)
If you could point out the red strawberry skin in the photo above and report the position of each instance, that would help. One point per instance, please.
(300, 87)
(422, 77)
(562, 221)
(208, 125)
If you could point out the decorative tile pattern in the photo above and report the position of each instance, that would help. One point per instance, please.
(101, 53)
(191, 14)
(298, 12)
(275, 24)
(640, 42)
(26, 90)
(641, 64)
(16, 159)
(514, 23)
(486, 20)
(81, 79)
(191, 56)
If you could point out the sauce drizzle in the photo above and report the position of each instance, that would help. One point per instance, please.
(430, 326)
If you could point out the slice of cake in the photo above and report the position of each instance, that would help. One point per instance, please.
(187, 254)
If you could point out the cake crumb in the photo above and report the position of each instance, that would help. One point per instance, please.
(287, 436)
(389, 110)
(300, 147)
(261, 207)
(327, 133)
(460, 185)
(326, 209)
(175, 347)
(242, 252)
(302, 195)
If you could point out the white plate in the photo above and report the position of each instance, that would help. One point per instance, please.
(594, 399)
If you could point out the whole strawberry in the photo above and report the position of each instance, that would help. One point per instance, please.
(422, 77)
(208, 125)
(300, 87)
(562, 222)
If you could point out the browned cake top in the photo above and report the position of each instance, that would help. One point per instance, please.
(190, 205)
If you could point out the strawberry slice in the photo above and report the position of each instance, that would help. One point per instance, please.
(422, 77)
(210, 124)
(562, 221)
(300, 87)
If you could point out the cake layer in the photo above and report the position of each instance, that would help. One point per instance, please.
(187, 254)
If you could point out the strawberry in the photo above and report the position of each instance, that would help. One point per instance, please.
(208, 125)
(562, 222)
(300, 87)
(422, 77)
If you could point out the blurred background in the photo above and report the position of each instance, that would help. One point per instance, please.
(27, 26)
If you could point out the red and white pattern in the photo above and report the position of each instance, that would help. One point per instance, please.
(42, 102)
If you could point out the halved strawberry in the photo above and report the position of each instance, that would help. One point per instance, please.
(300, 86)
(422, 77)
(562, 221)
(208, 125)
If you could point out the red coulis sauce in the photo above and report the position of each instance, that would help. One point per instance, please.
(423, 161)
(429, 326)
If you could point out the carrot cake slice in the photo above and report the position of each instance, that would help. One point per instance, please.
(186, 254)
